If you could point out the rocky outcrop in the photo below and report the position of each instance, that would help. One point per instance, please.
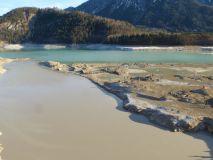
(197, 96)
(57, 66)
(77, 68)
(209, 124)
(176, 123)
(83, 69)
(149, 78)
(163, 116)
(210, 102)
(122, 70)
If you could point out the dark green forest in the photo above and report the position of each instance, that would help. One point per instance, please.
(162, 38)
(51, 26)
(58, 26)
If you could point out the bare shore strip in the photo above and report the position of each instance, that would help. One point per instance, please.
(187, 108)
(28, 46)
(4, 61)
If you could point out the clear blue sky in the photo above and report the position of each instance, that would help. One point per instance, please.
(7, 5)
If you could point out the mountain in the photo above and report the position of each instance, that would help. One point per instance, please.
(58, 26)
(70, 9)
(128, 10)
(14, 25)
(54, 26)
(207, 2)
(173, 15)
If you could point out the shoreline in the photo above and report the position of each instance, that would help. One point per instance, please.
(4, 61)
(29, 46)
(161, 116)
(176, 122)
(45, 100)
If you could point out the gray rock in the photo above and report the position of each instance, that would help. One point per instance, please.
(209, 124)
(210, 102)
(57, 66)
(203, 92)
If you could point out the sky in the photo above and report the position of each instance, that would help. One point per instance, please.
(7, 5)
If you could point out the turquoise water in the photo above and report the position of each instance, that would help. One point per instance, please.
(74, 55)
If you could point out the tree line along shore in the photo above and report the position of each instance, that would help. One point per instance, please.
(53, 26)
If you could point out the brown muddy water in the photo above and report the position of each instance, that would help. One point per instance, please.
(46, 115)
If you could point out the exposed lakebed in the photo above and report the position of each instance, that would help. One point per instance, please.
(50, 115)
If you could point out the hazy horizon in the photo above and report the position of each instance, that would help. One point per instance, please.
(12, 4)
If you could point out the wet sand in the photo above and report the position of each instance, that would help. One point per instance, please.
(50, 115)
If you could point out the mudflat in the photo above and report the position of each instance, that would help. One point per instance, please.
(176, 96)
(51, 115)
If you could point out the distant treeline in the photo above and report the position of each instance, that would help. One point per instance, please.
(58, 26)
(55, 26)
(63, 27)
(163, 38)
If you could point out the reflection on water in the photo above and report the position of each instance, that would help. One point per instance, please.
(47, 115)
